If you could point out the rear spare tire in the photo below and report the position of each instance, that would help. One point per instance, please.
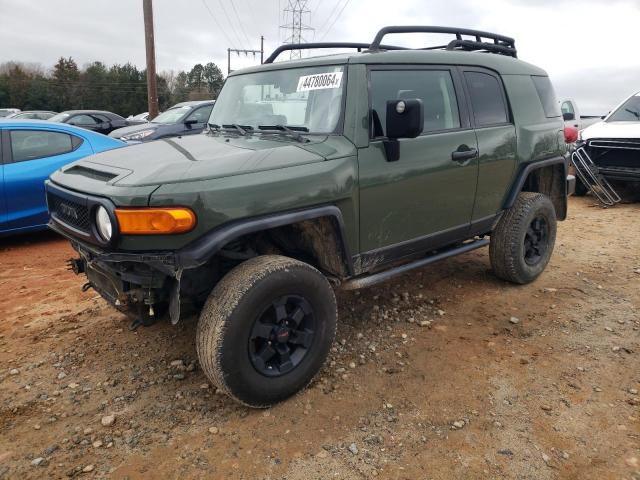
(266, 329)
(522, 242)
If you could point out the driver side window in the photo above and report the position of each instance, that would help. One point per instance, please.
(434, 87)
(567, 108)
(82, 120)
(200, 115)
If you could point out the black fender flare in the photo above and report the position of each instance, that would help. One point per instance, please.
(526, 169)
(199, 251)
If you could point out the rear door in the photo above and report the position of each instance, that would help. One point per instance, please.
(425, 199)
(496, 133)
(33, 155)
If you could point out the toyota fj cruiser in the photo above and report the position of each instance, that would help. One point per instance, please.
(338, 171)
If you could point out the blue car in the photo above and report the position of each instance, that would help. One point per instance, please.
(30, 150)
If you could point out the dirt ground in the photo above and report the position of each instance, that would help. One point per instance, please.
(443, 373)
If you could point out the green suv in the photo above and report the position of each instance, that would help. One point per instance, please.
(337, 171)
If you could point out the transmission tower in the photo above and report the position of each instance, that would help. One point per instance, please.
(294, 14)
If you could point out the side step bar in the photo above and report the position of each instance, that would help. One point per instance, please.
(369, 280)
(590, 176)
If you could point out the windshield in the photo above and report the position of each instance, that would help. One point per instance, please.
(307, 98)
(61, 117)
(6, 113)
(173, 115)
(628, 112)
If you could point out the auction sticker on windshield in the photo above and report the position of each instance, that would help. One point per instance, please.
(319, 81)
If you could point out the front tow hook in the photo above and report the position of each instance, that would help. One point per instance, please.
(76, 265)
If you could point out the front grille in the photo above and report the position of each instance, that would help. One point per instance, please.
(614, 152)
(70, 212)
(614, 143)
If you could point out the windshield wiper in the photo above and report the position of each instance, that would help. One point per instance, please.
(293, 131)
(633, 112)
(241, 129)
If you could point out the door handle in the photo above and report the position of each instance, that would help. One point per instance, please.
(464, 153)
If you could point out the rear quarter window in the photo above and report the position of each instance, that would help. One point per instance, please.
(487, 99)
(33, 144)
(547, 96)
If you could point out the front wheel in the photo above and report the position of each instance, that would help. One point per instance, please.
(266, 329)
(522, 242)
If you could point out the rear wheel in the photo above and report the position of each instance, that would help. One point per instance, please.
(266, 329)
(523, 241)
(581, 188)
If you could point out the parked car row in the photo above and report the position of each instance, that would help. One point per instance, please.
(186, 118)
(32, 149)
(33, 115)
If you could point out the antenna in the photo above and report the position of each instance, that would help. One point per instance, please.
(296, 10)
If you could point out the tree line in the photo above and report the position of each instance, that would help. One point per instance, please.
(120, 89)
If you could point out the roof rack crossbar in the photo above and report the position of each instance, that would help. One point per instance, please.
(501, 44)
(313, 45)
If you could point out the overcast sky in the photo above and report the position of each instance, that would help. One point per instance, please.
(589, 47)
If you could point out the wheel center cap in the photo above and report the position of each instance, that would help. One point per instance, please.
(282, 335)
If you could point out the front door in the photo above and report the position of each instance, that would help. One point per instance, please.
(3, 210)
(425, 199)
(34, 155)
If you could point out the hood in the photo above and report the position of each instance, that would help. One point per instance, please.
(612, 130)
(137, 127)
(200, 157)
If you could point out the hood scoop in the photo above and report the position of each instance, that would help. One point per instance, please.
(96, 171)
(91, 173)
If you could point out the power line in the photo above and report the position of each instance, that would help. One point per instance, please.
(217, 23)
(333, 10)
(256, 26)
(335, 20)
(240, 23)
(233, 29)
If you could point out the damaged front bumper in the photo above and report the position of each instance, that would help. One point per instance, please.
(134, 281)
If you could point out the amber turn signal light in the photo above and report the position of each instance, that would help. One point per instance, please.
(155, 221)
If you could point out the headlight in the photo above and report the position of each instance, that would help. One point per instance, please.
(103, 222)
(138, 135)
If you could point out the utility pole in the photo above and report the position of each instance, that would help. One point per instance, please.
(246, 52)
(152, 87)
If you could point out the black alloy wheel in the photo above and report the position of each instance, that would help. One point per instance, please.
(536, 241)
(282, 336)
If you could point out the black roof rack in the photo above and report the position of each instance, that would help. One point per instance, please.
(308, 46)
(499, 44)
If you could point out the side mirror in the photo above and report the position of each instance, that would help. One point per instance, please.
(405, 119)
(567, 116)
(190, 122)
